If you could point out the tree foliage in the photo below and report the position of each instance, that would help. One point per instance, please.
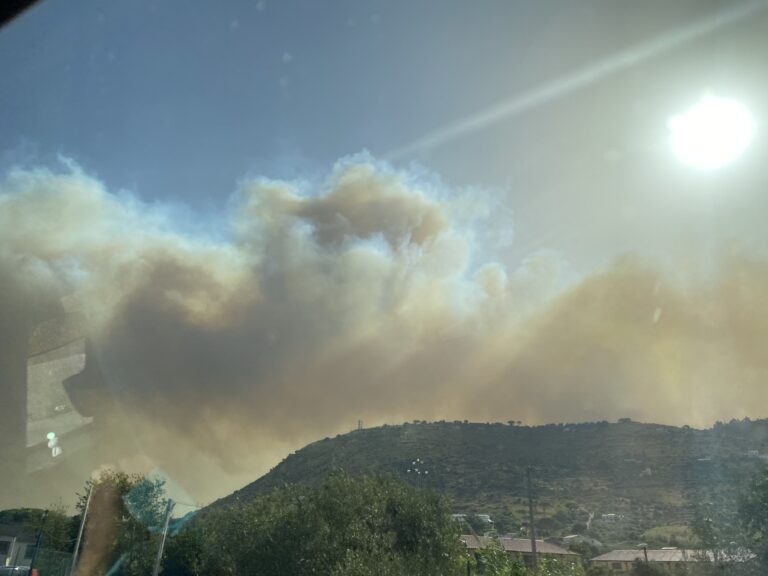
(494, 561)
(753, 512)
(344, 527)
(557, 567)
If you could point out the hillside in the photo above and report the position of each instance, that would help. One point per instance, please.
(647, 475)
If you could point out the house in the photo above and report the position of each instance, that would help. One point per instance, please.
(520, 547)
(621, 561)
(17, 545)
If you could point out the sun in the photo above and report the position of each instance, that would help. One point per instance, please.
(711, 134)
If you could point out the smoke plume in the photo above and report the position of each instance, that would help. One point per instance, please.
(365, 296)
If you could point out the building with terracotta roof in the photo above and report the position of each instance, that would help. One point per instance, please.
(520, 547)
(621, 561)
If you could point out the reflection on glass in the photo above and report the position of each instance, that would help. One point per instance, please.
(54, 425)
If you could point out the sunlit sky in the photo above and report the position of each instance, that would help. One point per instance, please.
(179, 101)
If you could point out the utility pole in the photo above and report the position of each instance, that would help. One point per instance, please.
(168, 510)
(534, 557)
(37, 541)
(80, 532)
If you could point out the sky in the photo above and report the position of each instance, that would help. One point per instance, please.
(178, 104)
(279, 217)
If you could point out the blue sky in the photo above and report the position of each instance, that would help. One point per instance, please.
(179, 100)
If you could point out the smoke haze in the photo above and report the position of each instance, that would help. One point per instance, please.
(366, 296)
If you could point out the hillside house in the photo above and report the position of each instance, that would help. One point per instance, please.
(621, 561)
(520, 547)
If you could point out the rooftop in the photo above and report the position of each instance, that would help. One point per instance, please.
(671, 555)
(521, 545)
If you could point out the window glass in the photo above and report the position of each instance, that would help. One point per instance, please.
(510, 253)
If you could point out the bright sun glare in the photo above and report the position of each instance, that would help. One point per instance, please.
(711, 134)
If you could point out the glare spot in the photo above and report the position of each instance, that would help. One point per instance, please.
(711, 134)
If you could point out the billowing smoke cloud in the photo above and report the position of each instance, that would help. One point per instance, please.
(366, 297)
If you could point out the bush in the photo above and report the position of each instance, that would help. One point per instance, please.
(345, 527)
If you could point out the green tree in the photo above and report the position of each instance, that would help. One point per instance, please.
(557, 567)
(725, 535)
(507, 521)
(494, 561)
(344, 527)
(753, 513)
(184, 554)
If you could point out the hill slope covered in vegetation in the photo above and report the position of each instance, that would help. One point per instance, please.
(633, 479)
